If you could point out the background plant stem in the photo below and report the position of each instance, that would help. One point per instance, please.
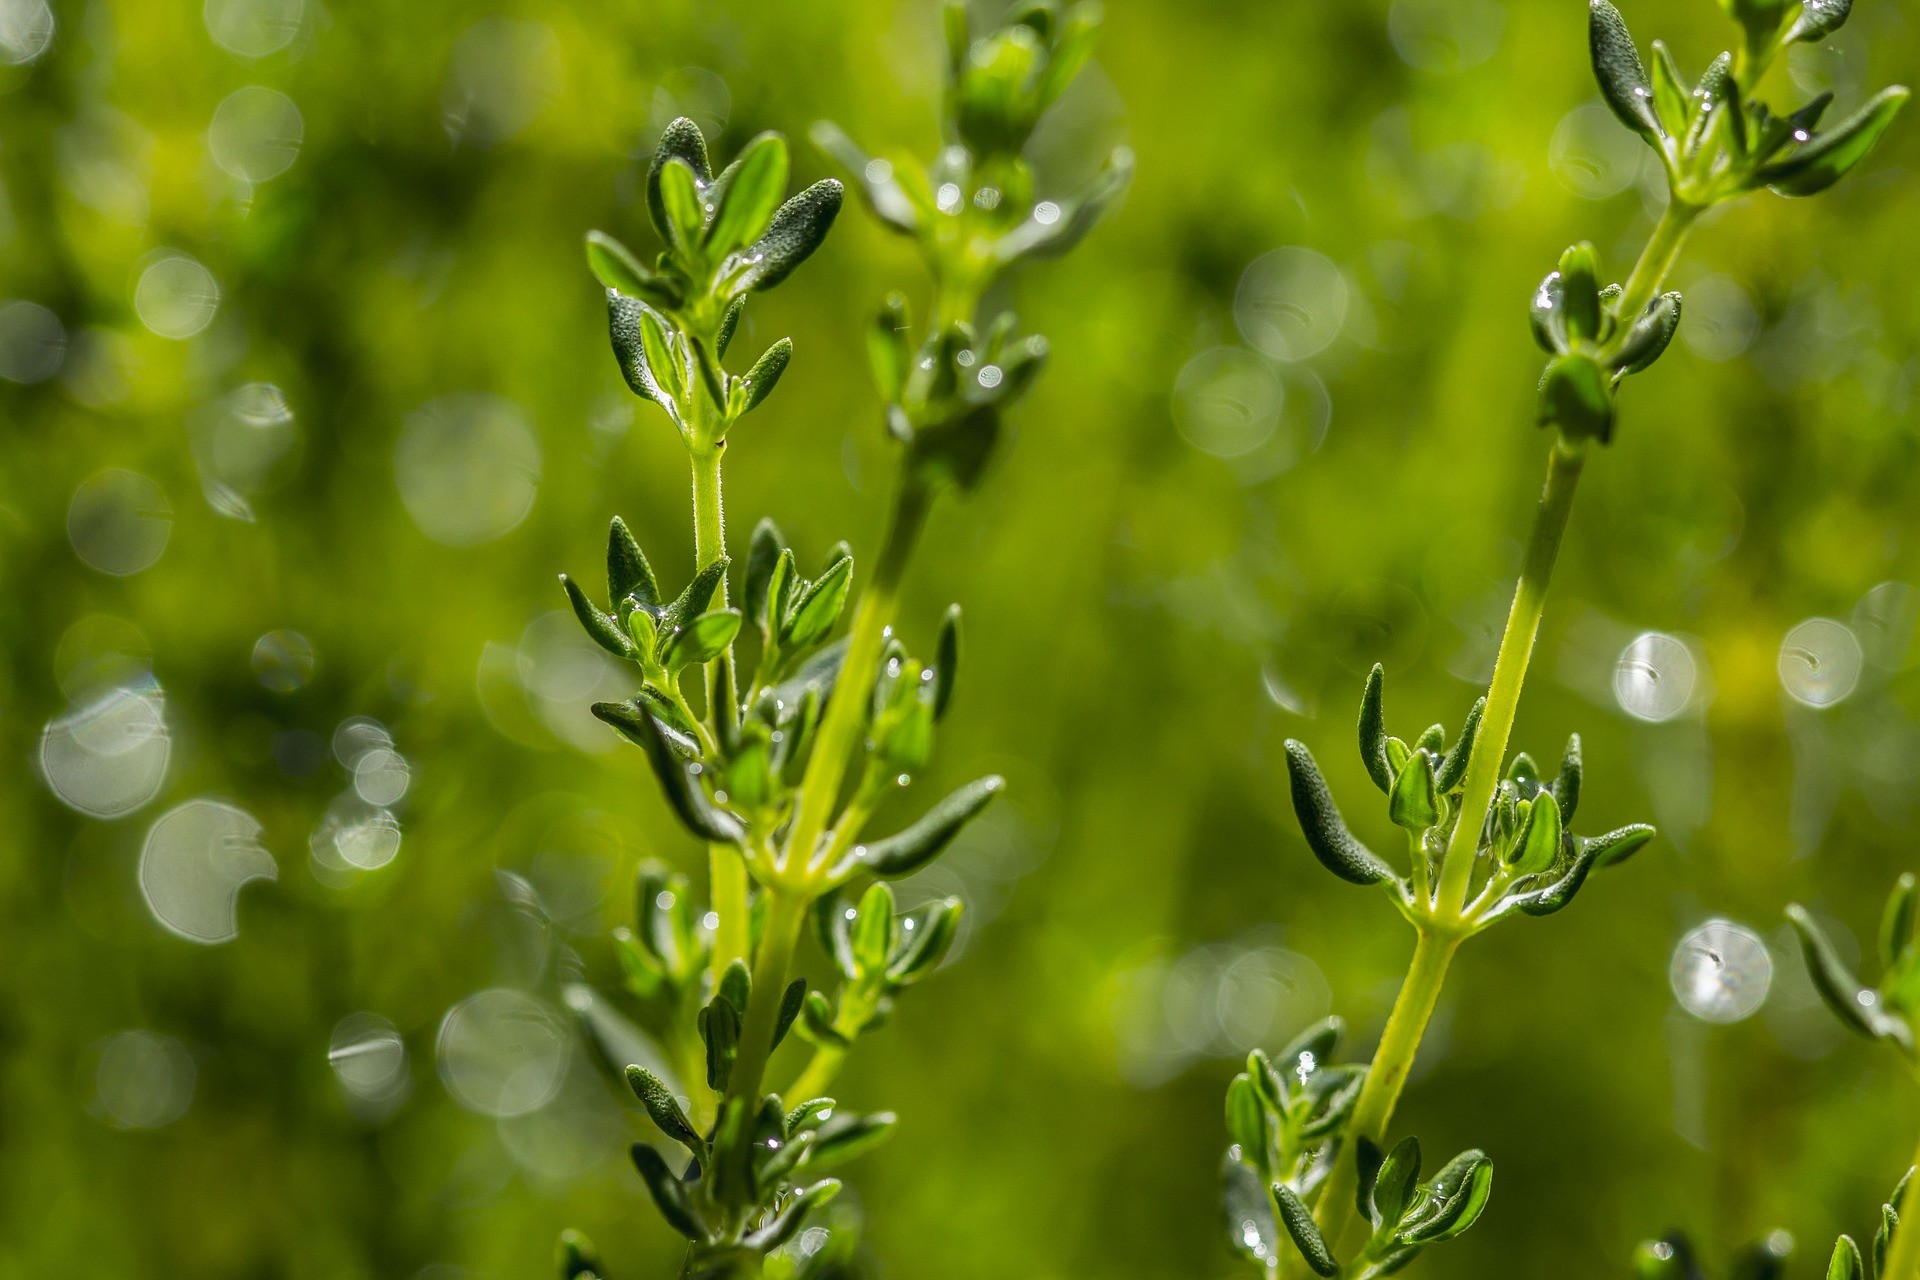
(786, 914)
(1903, 1255)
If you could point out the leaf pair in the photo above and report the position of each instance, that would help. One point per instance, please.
(880, 950)
(1407, 1215)
(1888, 1011)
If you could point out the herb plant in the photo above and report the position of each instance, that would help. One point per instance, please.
(790, 737)
(1888, 1012)
(1490, 837)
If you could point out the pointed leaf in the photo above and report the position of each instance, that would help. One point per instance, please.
(1413, 803)
(701, 640)
(765, 374)
(746, 195)
(903, 854)
(628, 573)
(1298, 1220)
(678, 779)
(664, 1109)
(1832, 153)
(813, 613)
(1373, 729)
(1617, 66)
(604, 631)
(669, 1195)
(1320, 822)
(762, 552)
(798, 228)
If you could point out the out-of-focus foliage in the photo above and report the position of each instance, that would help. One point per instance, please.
(303, 393)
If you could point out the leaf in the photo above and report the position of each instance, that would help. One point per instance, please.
(628, 573)
(669, 1195)
(1575, 397)
(909, 850)
(701, 640)
(790, 1001)
(1846, 1263)
(729, 322)
(1615, 847)
(1373, 729)
(926, 943)
(616, 1041)
(1844, 993)
(680, 199)
(746, 195)
(1053, 227)
(890, 347)
(1540, 839)
(1247, 1206)
(1647, 340)
(1459, 1193)
(1819, 19)
(816, 1022)
(873, 179)
(1454, 767)
(1247, 1122)
(678, 779)
(762, 552)
(1832, 153)
(1566, 784)
(844, 1137)
(1617, 66)
(604, 631)
(812, 614)
(575, 1257)
(615, 267)
(629, 351)
(719, 1025)
(1394, 1184)
(1897, 924)
(1670, 97)
(1320, 822)
(680, 141)
(1298, 1220)
(1413, 803)
(874, 930)
(664, 1109)
(784, 1225)
(946, 660)
(693, 601)
(798, 228)
(765, 374)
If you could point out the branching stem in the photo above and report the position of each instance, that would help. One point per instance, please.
(1903, 1255)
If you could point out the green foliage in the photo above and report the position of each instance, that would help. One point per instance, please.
(1890, 1010)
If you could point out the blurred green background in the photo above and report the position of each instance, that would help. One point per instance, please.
(305, 396)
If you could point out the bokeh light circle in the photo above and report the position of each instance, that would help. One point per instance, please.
(1820, 662)
(1721, 972)
(468, 468)
(502, 1052)
(1655, 677)
(1291, 303)
(196, 859)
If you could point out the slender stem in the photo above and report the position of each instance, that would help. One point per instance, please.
(1387, 1076)
(1509, 673)
(728, 891)
(841, 724)
(1657, 258)
(1903, 1255)
(786, 914)
(818, 1077)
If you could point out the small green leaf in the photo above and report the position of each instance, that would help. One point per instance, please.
(628, 573)
(1320, 821)
(1617, 66)
(1453, 768)
(1458, 1194)
(1373, 729)
(946, 660)
(762, 552)
(874, 929)
(604, 630)
(890, 348)
(1819, 19)
(575, 1257)
(1649, 336)
(678, 779)
(1394, 1184)
(615, 267)
(1247, 1122)
(1566, 784)
(736, 986)
(903, 854)
(790, 1002)
(812, 614)
(873, 179)
(1540, 839)
(816, 1022)
(798, 228)
(624, 315)
(1844, 993)
(1897, 924)
(719, 1025)
(1616, 846)
(665, 1110)
(1580, 309)
(745, 196)
(701, 640)
(680, 141)
(1833, 152)
(669, 1194)
(1670, 96)
(680, 198)
(1413, 802)
(1846, 1263)
(845, 1136)
(765, 374)
(693, 601)
(1575, 396)
(926, 943)
(729, 323)
(785, 1224)
(1298, 1220)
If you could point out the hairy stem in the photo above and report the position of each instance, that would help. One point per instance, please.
(1903, 1255)
(728, 891)
(786, 914)
(840, 725)
(1509, 673)
(1386, 1077)
(1657, 258)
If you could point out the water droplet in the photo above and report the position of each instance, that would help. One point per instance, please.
(1592, 155)
(283, 660)
(1290, 303)
(143, 1080)
(26, 29)
(369, 1059)
(109, 757)
(1654, 679)
(1719, 321)
(381, 777)
(197, 858)
(253, 28)
(1227, 402)
(947, 198)
(1046, 213)
(119, 522)
(468, 467)
(502, 1052)
(256, 133)
(1721, 972)
(32, 340)
(1819, 662)
(175, 296)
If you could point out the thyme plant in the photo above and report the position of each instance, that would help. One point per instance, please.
(774, 739)
(1888, 1012)
(1489, 837)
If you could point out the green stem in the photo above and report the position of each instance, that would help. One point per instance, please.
(1509, 673)
(1657, 258)
(728, 890)
(1387, 1076)
(840, 726)
(1903, 1255)
(818, 1077)
(786, 915)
